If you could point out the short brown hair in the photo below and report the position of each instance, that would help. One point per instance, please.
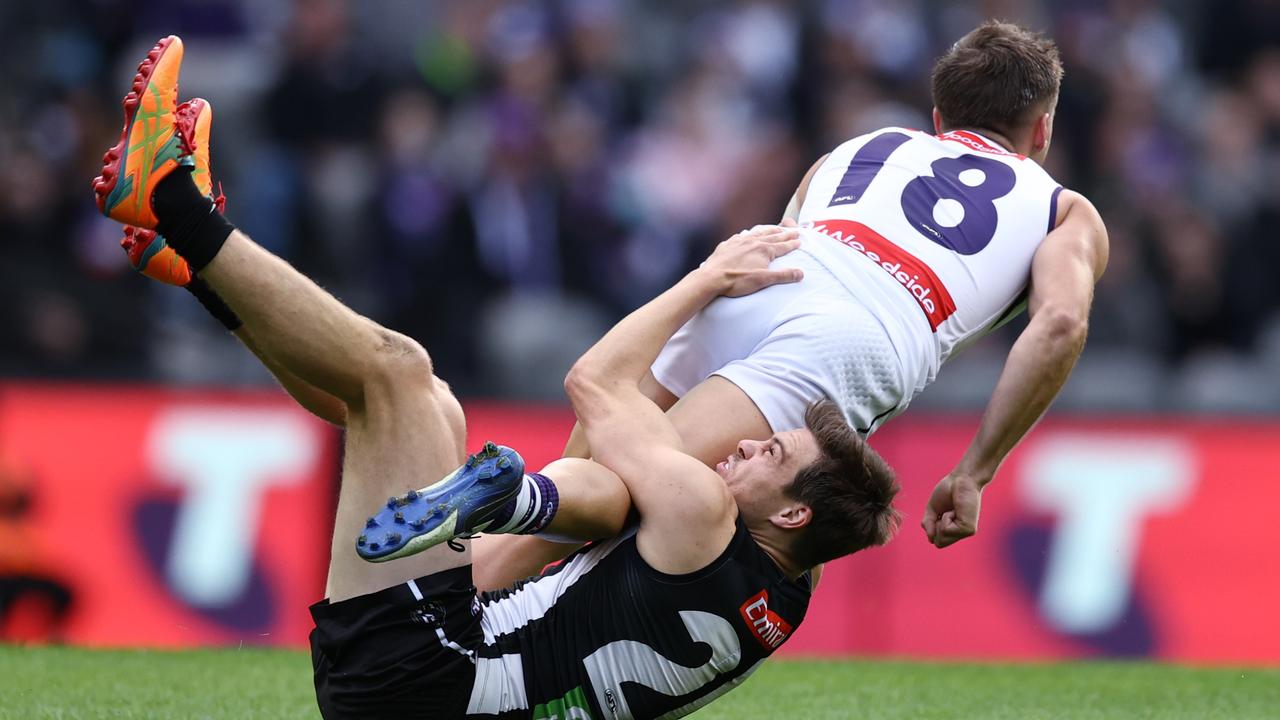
(996, 78)
(849, 490)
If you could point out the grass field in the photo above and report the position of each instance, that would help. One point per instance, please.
(70, 683)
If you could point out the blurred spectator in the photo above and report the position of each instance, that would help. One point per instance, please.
(476, 171)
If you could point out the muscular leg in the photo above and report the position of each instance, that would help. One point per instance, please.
(309, 397)
(711, 419)
(404, 428)
(302, 327)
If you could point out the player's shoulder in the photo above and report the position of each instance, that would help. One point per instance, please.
(1074, 204)
(1087, 232)
(694, 522)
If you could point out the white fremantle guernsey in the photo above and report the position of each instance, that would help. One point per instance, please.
(934, 234)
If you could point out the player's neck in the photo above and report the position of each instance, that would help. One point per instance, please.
(998, 138)
(775, 548)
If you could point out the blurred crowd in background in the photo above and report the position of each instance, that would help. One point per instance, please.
(503, 180)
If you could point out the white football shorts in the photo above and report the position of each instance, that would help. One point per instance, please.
(788, 346)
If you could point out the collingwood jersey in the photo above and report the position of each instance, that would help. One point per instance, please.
(933, 233)
(604, 636)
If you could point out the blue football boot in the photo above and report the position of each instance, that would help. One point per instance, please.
(457, 506)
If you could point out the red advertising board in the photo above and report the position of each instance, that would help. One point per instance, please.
(163, 518)
(1100, 536)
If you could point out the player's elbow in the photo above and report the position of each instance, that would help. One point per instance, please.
(582, 382)
(1064, 326)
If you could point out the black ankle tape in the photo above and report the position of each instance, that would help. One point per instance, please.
(213, 303)
(187, 219)
(203, 237)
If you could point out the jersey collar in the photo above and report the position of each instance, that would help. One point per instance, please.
(978, 142)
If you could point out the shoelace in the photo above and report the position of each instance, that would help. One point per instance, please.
(457, 546)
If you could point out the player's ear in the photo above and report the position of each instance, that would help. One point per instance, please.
(937, 121)
(792, 517)
(1041, 132)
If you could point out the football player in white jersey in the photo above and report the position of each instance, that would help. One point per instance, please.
(915, 245)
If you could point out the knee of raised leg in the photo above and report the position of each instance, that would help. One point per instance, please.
(403, 361)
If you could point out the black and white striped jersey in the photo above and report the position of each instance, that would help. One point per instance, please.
(605, 636)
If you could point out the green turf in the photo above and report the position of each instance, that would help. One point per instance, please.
(70, 683)
(73, 684)
(1097, 691)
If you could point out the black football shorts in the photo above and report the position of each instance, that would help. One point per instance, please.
(402, 652)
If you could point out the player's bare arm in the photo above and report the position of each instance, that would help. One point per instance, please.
(577, 445)
(687, 514)
(1063, 273)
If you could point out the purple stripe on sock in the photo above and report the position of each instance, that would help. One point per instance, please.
(550, 503)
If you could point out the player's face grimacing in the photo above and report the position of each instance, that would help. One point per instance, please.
(759, 473)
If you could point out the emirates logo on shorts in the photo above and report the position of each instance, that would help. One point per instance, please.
(767, 626)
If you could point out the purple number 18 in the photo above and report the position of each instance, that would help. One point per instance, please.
(974, 181)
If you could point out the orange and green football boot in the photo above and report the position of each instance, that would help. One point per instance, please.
(151, 145)
(148, 252)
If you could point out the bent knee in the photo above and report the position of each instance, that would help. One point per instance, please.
(403, 370)
(401, 361)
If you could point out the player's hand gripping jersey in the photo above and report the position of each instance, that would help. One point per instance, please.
(915, 246)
